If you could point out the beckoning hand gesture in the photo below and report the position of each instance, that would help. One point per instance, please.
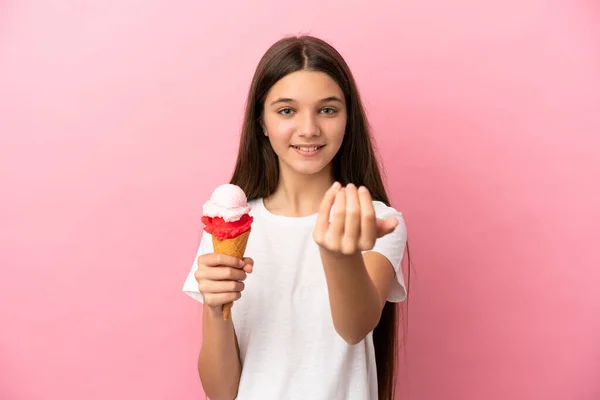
(354, 226)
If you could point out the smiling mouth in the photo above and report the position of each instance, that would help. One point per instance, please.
(308, 148)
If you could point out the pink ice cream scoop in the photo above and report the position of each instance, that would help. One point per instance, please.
(228, 202)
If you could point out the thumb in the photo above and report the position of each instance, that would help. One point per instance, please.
(386, 226)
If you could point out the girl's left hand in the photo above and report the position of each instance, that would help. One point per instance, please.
(354, 226)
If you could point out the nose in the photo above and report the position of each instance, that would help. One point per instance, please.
(308, 126)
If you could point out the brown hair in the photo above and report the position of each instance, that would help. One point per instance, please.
(257, 167)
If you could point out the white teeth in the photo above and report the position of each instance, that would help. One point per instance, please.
(307, 149)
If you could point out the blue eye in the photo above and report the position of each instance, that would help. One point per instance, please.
(285, 111)
(328, 110)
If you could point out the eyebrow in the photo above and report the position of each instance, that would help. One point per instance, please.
(325, 100)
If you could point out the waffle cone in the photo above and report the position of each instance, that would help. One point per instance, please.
(234, 247)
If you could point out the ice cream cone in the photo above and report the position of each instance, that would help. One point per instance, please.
(234, 247)
(226, 216)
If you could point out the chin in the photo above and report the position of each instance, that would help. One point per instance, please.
(310, 169)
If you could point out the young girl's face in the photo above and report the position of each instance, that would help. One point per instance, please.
(305, 120)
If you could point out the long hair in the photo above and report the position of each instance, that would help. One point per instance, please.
(257, 168)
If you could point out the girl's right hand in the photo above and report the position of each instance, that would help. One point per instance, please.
(220, 278)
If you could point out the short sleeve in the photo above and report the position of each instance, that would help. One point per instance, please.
(392, 246)
(190, 286)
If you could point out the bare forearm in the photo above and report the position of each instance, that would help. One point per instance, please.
(219, 363)
(355, 302)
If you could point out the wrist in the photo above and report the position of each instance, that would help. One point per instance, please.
(339, 258)
(213, 312)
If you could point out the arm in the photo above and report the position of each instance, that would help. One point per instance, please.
(220, 281)
(358, 284)
(358, 287)
(219, 362)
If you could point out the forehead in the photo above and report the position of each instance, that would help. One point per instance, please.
(305, 86)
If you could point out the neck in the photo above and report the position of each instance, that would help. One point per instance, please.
(299, 195)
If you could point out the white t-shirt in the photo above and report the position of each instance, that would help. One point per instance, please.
(289, 348)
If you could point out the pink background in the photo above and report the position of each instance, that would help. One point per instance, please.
(118, 118)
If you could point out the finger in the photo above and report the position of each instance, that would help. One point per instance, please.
(249, 265)
(322, 222)
(386, 226)
(368, 229)
(221, 274)
(206, 286)
(352, 221)
(218, 299)
(220, 260)
(333, 237)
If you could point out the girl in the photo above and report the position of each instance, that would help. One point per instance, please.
(316, 319)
